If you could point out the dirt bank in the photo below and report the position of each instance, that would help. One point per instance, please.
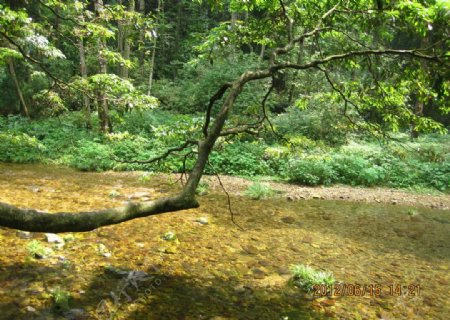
(237, 186)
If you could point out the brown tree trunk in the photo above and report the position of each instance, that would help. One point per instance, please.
(127, 42)
(102, 102)
(261, 53)
(12, 71)
(292, 88)
(120, 40)
(83, 72)
(142, 41)
(419, 104)
(418, 111)
(155, 41)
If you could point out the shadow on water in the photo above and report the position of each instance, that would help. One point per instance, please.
(159, 296)
(183, 297)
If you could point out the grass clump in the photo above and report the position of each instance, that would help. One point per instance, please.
(259, 191)
(60, 299)
(37, 250)
(202, 189)
(307, 277)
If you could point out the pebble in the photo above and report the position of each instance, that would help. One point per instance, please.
(250, 249)
(24, 234)
(138, 195)
(288, 220)
(76, 314)
(239, 289)
(258, 274)
(30, 309)
(202, 220)
(54, 238)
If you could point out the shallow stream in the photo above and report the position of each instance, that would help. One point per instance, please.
(215, 270)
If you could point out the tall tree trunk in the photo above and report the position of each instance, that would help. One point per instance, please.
(155, 41)
(294, 79)
(102, 102)
(261, 53)
(12, 71)
(127, 41)
(418, 111)
(83, 72)
(234, 18)
(419, 104)
(120, 41)
(142, 41)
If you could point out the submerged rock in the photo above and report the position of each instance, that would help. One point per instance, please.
(104, 251)
(169, 236)
(170, 250)
(258, 274)
(30, 309)
(239, 289)
(54, 238)
(76, 314)
(24, 234)
(288, 220)
(138, 195)
(202, 220)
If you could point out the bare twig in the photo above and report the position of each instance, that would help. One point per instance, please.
(227, 194)
(57, 14)
(164, 155)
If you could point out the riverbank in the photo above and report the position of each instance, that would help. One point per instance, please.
(237, 186)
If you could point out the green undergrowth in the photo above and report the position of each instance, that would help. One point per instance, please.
(420, 165)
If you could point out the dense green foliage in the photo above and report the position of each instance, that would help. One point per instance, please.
(424, 163)
(109, 85)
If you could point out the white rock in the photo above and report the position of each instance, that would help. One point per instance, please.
(202, 220)
(30, 309)
(53, 238)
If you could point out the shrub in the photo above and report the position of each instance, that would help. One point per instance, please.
(240, 159)
(259, 191)
(91, 156)
(436, 175)
(355, 170)
(311, 171)
(20, 148)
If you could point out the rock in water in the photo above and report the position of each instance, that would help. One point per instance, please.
(202, 220)
(76, 314)
(54, 238)
(24, 234)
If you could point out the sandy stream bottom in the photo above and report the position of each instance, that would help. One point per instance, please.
(217, 271)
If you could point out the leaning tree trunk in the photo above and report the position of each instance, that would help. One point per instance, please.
(12, 71)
